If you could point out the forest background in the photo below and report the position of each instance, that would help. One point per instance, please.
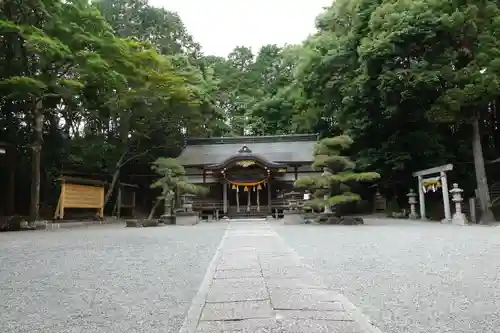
(101, 90)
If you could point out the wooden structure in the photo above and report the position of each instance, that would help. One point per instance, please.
(246, 174)
(433, 183)
(125, 198)
(80, 193)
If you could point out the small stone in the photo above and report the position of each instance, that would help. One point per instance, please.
(133, 224)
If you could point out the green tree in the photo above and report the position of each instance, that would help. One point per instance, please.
(333, 186)
(163, 29)
(57, 50)
(442, 57)
(172, 182)
(415, 75)
(102, 103)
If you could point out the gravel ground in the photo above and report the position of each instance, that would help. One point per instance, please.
(102, 278)
(416, 277)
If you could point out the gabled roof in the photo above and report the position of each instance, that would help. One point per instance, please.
(296, 148)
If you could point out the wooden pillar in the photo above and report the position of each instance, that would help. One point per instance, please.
(62, 199)
(224, 195)
(269, 195)
(258, 199)
(249, 193)
(238, 198)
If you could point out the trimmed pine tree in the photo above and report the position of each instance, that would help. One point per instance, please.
(333, 186)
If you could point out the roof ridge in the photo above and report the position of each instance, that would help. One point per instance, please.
(252, 139)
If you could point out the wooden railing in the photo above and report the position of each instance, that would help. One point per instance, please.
(218, 204)
(207, 204)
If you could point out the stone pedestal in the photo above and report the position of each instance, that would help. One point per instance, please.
(168, 219)
(187, 219)
(150, 223)
(293, 217)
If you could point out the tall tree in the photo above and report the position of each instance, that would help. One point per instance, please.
(443, 56)
(56, 42)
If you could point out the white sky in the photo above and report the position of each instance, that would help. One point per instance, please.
(220, 25)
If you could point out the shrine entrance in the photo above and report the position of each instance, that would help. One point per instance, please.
(248, 183)
(434, 179)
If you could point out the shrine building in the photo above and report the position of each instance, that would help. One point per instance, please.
(246, 176)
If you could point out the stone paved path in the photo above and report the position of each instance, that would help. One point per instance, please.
(256, 283)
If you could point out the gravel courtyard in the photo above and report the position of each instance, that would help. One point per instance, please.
(409, 278)
(102, 279)
(415, 278)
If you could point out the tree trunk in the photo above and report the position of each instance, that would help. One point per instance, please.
(35, 162)
(481, 179)
(114, 180)
(167, 208)
(153, 210)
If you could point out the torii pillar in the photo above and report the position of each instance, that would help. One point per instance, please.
(441, 170)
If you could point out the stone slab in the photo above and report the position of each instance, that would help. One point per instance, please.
(261, 285)
(248, 265)
(313, 315)
(237, 310)
(237, 290)
(305, 299)
(284, 272)
(242, 326)
(237, 273)
(294, 283)
(319, 326)
(238, 262)
(268, 262)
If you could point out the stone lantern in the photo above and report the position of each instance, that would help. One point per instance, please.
(412, 200)
(187, 202)
(293, 201)
(458, 218)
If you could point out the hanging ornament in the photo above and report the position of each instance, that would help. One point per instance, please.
(431, 184)
(259, 187)
(245, 189)
(253, 188)
(233, 187)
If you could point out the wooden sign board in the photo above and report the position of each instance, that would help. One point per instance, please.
(80, 196)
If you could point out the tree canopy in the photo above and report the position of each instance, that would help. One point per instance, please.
(104, 88)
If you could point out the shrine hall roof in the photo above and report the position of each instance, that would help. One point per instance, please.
(295, 148)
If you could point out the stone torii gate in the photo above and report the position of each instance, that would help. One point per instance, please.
(441, 170)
